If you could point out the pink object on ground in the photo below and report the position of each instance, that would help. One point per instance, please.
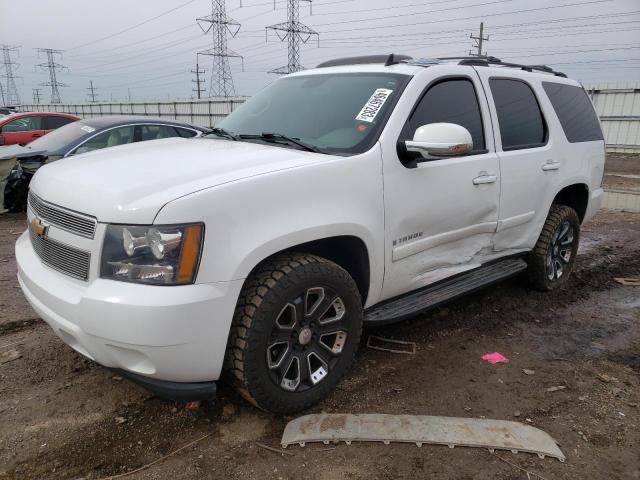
(494, 358)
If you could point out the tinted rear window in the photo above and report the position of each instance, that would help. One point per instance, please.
(575, 112)
(519, 115)
(57, 122)
(185, 133)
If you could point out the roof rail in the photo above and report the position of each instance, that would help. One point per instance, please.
(485, 61)
(387, 60)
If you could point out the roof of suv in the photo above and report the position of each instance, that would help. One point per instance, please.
(402, 64)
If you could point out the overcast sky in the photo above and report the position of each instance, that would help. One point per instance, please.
(593, 40)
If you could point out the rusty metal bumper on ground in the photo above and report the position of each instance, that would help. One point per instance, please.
(419, 429)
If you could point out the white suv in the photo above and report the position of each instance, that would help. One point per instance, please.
(360, 192)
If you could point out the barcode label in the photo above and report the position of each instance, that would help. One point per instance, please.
(374, 105)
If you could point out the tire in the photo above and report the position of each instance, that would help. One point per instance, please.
(295, 332)
(553, 257)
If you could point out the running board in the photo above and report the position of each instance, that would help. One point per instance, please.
(449, 289)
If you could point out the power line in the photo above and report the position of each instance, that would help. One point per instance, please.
(92, 92)
(375, 38)
(52, 66)
(295, 33)
(219, 24)
(413, 14)
(254, 48)
(457, 19)
(11, 97)
(133, 26)
(392, 7)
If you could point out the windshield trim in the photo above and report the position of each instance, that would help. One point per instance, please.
(364, 146)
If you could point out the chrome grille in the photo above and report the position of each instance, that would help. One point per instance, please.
(73, 222)
(59, 256)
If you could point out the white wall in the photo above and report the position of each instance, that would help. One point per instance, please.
(206, 113)
(618, 106)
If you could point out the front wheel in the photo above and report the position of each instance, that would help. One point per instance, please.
(553, 258)
(295, 332)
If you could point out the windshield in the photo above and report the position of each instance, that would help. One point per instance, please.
(61, 138)
(337, 113)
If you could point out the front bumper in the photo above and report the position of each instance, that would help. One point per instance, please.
(174, 391)
(166, 333)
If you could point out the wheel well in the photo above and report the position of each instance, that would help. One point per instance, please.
(347, 251)
(575, 196)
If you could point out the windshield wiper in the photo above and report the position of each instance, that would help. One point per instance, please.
(284, 138)
(221, 132)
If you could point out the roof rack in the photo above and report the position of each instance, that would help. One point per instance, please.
(391, 59)
(489, 60)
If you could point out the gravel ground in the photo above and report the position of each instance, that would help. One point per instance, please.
(64, 417)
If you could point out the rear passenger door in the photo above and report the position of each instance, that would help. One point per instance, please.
(528, 167)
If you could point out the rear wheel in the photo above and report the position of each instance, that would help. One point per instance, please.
(295, 332)
(553, 258)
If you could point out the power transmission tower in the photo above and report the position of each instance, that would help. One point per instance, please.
(478, 41)
(198, 81)
(52, 66)
(12, 97)
(92, 92)
(2, 94)
(295, 33)
(36, 96)
(219, 24)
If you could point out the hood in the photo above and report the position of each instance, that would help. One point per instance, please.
(20, 152)
(130, 183)
(13, 151)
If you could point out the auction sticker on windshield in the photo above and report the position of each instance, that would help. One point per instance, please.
(374, 105)
(88, 129)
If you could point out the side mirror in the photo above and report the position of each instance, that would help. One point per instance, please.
(440, 140)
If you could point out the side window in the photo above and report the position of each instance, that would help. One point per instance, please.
(110, 138)
(155, 132)
(185, 132)
(450, 101)
(26, 124)
(575, 112)
(519, 116)
(51, 123)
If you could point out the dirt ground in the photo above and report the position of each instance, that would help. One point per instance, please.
(64, 417)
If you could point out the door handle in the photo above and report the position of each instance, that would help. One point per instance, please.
(484, 178)
(35, 135)
(550, 165)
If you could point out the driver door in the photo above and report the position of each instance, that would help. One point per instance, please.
(22, 130)
(440, 214)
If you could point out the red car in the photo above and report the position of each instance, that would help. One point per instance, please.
(25, 127)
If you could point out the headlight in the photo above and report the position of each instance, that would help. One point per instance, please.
(157, 255)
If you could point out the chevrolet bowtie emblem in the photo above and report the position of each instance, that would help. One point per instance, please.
(39, 228)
